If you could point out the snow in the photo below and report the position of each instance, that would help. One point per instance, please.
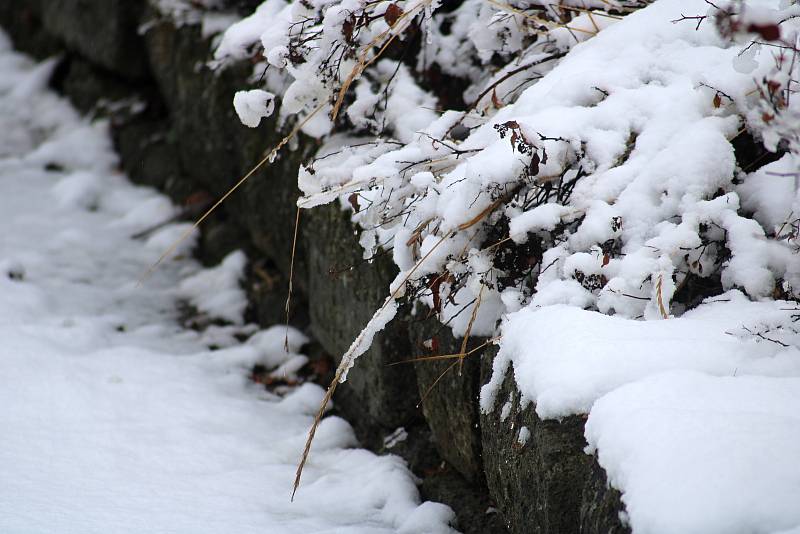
(252, 106)
(703, 454)
(398, 436)
(581, 355)
(524, 436)
(639, 136)
(770, 194)
(217, 291)
(694, 419)
(215, 23)
(115, 417)
(363, 341)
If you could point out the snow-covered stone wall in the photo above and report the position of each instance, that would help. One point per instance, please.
(146, 67)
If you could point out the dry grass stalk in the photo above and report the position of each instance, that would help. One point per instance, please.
(469, 329)
(267, 158)
(542, 22)
(660, 297)
(589, 12)
(291, 278)
(438, 378)
(344, 365)
(490, 208)
(447, 356)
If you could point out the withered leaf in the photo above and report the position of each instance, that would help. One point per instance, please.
(773, 86)
(392, 14)
(435, 290)
(533, 168)
(353, 200)
(496, 101)
(770, 32)
(347, 28)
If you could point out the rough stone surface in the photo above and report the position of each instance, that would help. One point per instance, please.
(602, 510)
(538, 485)
(341, 303)
(94, 91)
(104, 32)
(243, 6)
(147, 151)
(266, 295)
(449, 389)
(475, 512)
(215, 150)
(22, 20)
(200, 110)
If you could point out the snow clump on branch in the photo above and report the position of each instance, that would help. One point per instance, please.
(628, 161)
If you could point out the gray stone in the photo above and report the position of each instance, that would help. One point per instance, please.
(103, 31)
(341, 301)
(245, 7)
(97, 92)
(450, 390)
(538, 485)
(266, 295)
(22, 21)
(147, 153)
(475, 513)
(602, 509)
(215, 150)
(200, 110)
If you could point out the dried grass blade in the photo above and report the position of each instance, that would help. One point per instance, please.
(469, 330)
(344, 365)
(291, 278)
(272, 153)
(438, 378)
(660, 297)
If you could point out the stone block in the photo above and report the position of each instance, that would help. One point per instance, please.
(103, 31)
(449, 391)
(536, 469)
(341, 301)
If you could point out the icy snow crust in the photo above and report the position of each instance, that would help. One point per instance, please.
(116, 419)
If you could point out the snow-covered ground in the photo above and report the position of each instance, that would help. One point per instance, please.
(113, 417)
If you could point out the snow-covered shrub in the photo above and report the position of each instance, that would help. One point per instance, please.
(513, 154)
